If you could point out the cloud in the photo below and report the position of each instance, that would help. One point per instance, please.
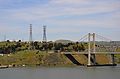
(67, 1)
(43, 12)
(55, 14)
(59, 14)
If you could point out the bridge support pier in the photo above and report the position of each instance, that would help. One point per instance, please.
(112, 59)
(94, 59)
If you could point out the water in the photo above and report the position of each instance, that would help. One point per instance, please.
(61, 73)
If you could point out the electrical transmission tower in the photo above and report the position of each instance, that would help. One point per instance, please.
(30, 38)
(44, 34)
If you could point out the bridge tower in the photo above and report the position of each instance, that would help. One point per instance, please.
(89, 47)
(89, 50)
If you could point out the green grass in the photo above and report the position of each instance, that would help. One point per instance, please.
(32, 58)
(36, 57)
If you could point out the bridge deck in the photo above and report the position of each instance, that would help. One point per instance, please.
(91, 53)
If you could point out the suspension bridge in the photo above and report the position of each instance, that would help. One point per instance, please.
(97, 45)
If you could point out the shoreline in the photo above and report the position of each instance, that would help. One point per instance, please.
(53, 66)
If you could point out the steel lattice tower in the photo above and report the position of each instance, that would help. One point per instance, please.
(30, 37)
(44, 34)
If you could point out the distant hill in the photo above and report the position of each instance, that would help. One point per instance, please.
(63, 41)
(114, 43)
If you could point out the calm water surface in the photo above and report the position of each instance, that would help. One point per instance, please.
(61, 73)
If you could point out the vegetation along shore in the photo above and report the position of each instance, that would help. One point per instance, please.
(15, 54)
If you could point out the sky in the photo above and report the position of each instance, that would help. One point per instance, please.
(65, 19)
